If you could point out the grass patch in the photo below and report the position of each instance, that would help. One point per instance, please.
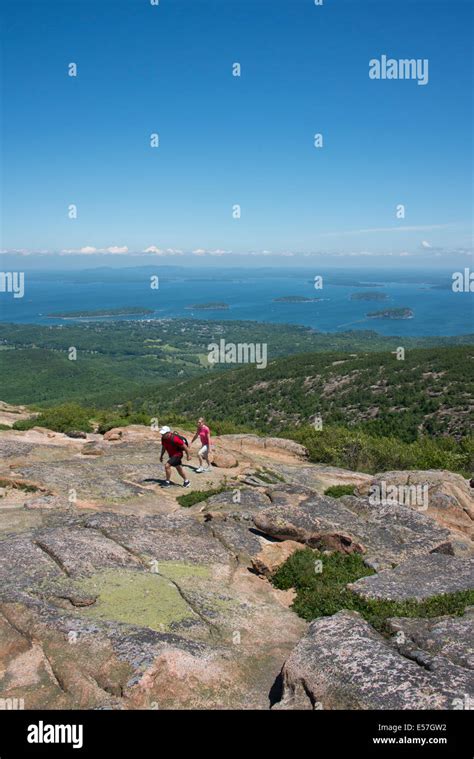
(196, 496)
(321, 594)
(337, 491)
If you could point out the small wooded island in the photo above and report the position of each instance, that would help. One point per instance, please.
(125, 311)
(209, 306)
(392, 313)
(369, 296)
(294, 299)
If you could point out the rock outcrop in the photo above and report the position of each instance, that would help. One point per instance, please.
(247, 442)
(273, 555)
(343, 663)
(128, 611)
(224, 460)
(445, 496)
(418, 579)
(385, 535)
(113, 595)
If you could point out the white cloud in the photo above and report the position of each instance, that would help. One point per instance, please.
(88, 250)
(154, 249)
(424, 249)
(162, 252)
(116, 249)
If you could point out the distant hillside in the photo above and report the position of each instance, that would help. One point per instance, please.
(125, 311)
(119, 360)
(429, 392)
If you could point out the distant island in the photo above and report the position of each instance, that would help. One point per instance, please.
(346, 282)
(392, 313)
(126, 311)
(369, 296)
(209, 306)
(294, 299)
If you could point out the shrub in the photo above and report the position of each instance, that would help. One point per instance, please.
(196, 496)
(356, 449)
(64, 418)
(336, 491)
(323, 594)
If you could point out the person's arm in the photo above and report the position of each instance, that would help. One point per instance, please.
(162, 452)
(186, 450)
(194, 438)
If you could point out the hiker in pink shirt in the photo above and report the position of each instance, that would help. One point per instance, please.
(204, 434)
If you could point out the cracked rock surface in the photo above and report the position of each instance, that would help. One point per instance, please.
(112, 595)
(128, 611)
(343, 663)
(419, 578)
(386, 535)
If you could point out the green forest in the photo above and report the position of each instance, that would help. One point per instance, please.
(119, 360)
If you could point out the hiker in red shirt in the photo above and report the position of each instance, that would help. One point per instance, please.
(174, 445)
(205, 436)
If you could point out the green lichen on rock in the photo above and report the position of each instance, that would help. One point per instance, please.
(139, 598)
(178, 570)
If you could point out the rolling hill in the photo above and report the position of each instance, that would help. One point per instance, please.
(430, 392)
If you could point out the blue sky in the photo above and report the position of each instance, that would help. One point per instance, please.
(226, 140)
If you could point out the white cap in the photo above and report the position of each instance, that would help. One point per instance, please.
(164, 430)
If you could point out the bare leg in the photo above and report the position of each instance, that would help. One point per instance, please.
(180, 471)
(168, 471)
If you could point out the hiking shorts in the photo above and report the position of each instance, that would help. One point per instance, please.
(175, 460)
(204, 450)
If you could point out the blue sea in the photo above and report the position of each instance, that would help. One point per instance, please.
(251, 296)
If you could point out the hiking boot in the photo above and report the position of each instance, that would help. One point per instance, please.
(186, 484)
(200, 469)
(166, 484)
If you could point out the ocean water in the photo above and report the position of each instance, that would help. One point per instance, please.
(250, 296)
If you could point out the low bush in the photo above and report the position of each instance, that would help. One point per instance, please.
(337, 491)
(323, 593)
(196, 496)
(353, 448)
(64, 418)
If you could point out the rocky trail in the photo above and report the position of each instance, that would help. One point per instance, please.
(113, 595)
